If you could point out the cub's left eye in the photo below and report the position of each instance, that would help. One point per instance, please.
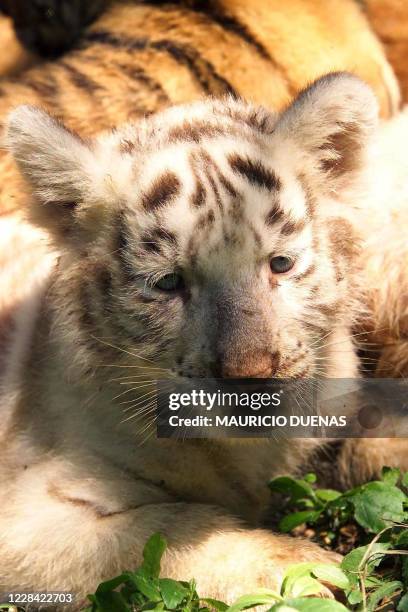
(281, 264)
(170, 282)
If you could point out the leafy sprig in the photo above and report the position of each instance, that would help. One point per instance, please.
(377, 571)
(145, 590)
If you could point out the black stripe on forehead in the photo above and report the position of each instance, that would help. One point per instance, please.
(198, 196)
(217, 196)
(224, 182)
(163, 190)
(209, 168)
(195, 131)
(255, 172)
(228, 186)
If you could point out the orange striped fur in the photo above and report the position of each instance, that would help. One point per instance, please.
(137, 59)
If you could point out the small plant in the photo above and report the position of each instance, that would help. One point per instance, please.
(378, 569)
(145, 590)
(372, 576)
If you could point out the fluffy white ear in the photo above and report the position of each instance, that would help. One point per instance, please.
(331, 121)
(57, 164)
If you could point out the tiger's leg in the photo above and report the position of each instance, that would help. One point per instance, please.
(60, 535)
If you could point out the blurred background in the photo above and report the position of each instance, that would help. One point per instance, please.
(47, 28)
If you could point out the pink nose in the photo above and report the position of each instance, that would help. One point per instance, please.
(257, 364)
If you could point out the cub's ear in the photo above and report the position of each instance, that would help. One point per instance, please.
(330, 122)
(58, 164)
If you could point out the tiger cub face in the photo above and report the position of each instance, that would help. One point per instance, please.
(213, 239)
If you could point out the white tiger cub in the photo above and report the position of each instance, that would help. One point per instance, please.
(214, 239)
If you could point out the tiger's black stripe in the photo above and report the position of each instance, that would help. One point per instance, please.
(196, 131)
(199, 195)
(202, 70)
(255, 172)
(81, 80)
(211, 169)
(163, 190)
(230, 23)
(222, 179)
(215, 189)
(138, 74)
(45, 90)
(213, 12)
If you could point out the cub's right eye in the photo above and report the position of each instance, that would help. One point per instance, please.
(170, 282)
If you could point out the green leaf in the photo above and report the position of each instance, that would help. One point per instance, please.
(291, 521)
(405, 480)
(259, 598)
(134, 599)
(332, 575)
(293, 575)
(355, 597)
(351, 562)
(152, 554)
(147, 586)
(149, 606)
(172, 592)
(216, 604)
(390, 475)
(310, 478)
(377, 502)
(111, 585)
(158, 607)
(107, 601)
(327, 495)
(404, 572)
(386, 590)
(309, 604)
(342, 503)
(402, 538)
(305, 586)
(296, 489)
(403, 604)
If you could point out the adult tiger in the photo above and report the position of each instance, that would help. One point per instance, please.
(139, 57)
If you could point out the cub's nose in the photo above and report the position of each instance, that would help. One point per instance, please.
(255, 364)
